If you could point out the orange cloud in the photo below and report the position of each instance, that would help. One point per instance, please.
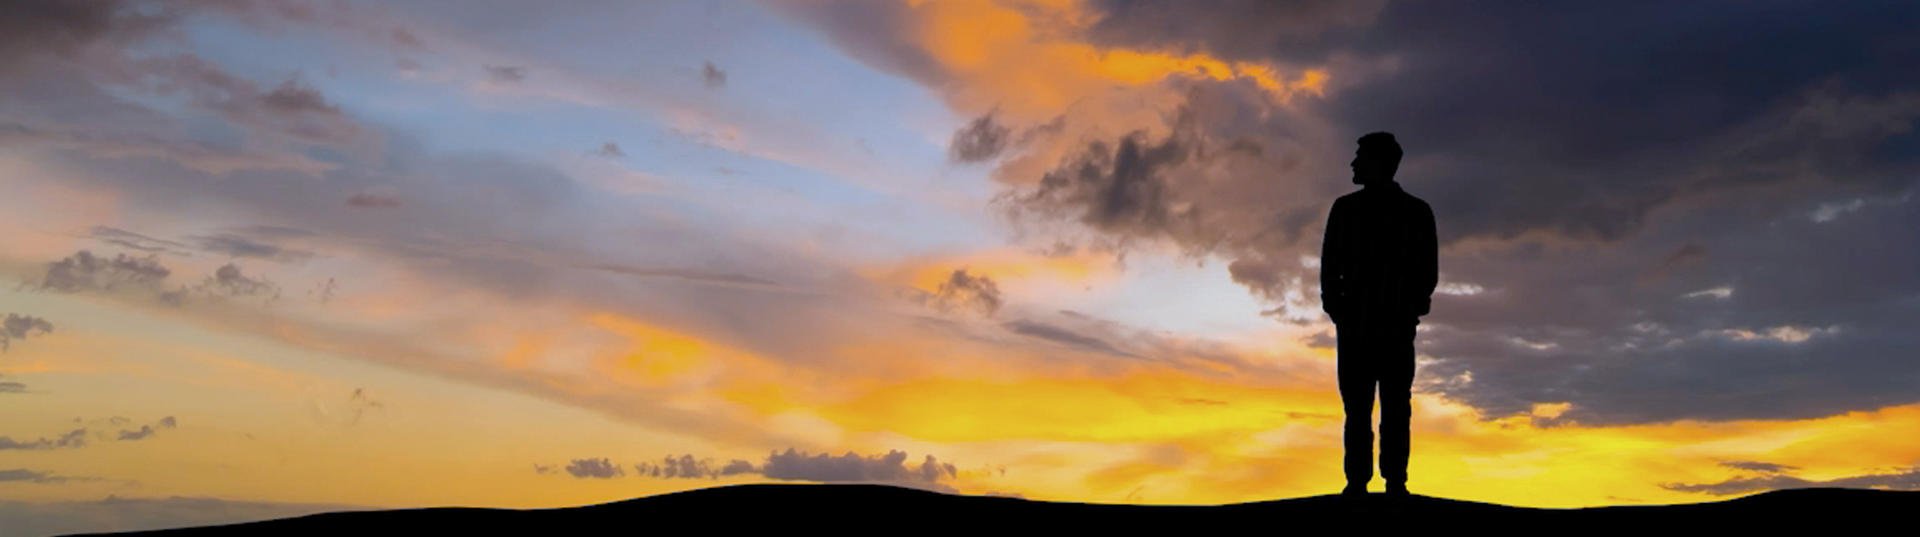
(1027, 58)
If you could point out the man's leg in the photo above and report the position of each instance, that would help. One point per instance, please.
(1396, 394)
(1354, 363)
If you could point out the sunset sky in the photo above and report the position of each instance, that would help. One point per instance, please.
(286, 254)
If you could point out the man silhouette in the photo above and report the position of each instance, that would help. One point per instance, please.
(1379, 264)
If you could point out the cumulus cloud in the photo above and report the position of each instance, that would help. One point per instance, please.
(960, 291)
(85, 271)
(1778, 479)
(1320, 340)
(794, 465)
(146, 431)
(594, 469)
(72, 439)
(138, 434)
(228, 281)
(16, 327)
(687, 467)
(852, 467)
(78, 437)
(979, 141)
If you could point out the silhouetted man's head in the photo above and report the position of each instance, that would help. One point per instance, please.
(1376, 160)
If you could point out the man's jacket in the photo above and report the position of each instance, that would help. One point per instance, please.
(1380, 258)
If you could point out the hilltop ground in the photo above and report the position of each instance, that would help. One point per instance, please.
(867, 509)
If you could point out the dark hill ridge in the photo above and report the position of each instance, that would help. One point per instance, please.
(862, 509)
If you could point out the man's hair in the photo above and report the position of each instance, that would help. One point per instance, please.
(1383, 144)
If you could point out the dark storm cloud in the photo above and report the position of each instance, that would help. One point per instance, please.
(1907, 480)
(1589, 164)
(64, 27)
(1811, 324)
(16, 327)
(878, 33)
(1234, 29)
(1558, 104)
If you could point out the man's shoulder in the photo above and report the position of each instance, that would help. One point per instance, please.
(1415, 202)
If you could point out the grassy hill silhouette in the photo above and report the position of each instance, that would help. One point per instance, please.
(865, 508)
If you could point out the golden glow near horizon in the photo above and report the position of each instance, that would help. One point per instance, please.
(420, 384)
(1136, 434)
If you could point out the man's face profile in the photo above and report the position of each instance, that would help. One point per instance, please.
(1366, 166)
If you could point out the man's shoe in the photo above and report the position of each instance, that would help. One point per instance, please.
(1397, 489)
(1354, 489)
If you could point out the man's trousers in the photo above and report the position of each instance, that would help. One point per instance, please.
(1376, 354)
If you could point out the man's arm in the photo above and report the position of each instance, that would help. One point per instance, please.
(1332, 266)
(1426, 241)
